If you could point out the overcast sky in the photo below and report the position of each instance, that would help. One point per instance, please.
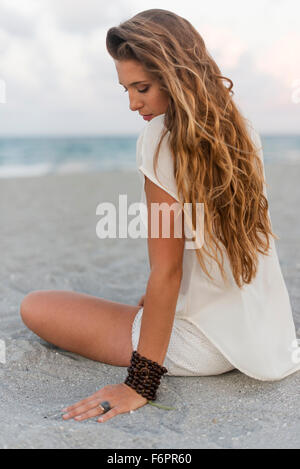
(60, 79)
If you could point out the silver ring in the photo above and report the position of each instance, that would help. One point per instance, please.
(104, 406)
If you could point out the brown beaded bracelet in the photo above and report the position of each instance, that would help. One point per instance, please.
(144, 375)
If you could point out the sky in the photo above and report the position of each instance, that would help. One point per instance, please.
(57, 78)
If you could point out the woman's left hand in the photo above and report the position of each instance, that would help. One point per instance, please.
(122, 399)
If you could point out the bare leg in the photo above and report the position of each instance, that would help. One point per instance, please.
(90, 326)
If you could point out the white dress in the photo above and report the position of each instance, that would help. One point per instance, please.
(219, 327)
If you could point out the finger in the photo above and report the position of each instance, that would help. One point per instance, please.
(80, 403)
(97, 394)
(108, 415)
(95, 412)
(80, 410)
(77, 405)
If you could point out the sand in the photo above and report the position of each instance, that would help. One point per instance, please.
(48, 241)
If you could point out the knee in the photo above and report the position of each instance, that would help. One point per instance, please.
(31, 307)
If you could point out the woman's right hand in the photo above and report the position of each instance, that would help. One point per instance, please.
(141, 301)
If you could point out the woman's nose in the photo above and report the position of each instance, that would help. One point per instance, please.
(135, 103)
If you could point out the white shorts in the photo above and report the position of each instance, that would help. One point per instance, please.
(190, 353)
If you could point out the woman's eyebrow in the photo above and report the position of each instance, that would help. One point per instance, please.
(134, 83)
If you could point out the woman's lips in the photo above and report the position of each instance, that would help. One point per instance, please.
(148, 117)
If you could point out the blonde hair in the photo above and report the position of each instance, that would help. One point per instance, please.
(215, 159)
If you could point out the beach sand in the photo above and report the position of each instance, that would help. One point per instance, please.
(48, 241)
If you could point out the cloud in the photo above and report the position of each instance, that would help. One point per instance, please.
(14, 23)
(227, 46)
(281, 60)
(60, 77)
(86, 16)
(18, 17)
(19, 60)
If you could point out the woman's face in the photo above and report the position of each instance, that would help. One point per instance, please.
(145, 95)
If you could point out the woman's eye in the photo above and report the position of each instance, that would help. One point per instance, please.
(140, 91)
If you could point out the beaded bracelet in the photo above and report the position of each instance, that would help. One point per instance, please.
(144, 375)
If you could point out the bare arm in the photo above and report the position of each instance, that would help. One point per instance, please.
(158, 316)
(165, 256)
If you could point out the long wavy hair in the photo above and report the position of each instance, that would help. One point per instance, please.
(215, 159)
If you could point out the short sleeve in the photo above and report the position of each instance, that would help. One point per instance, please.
(146, 147)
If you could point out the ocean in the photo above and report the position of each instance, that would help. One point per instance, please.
(35, 156)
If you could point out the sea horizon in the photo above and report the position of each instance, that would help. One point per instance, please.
(37, 155)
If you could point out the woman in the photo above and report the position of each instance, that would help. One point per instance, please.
(219, 306)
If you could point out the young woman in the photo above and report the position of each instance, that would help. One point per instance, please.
(219, 306)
